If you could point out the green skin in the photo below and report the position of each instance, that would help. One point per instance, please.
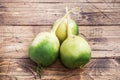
(44, 49)
(61, 31)
(75, 52)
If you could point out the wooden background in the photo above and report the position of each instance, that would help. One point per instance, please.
(22, 20)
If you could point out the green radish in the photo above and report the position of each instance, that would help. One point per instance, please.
(74, 51)
(61, 31)
(44, 48)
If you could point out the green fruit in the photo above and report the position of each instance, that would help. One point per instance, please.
(75, 52)
(61, 31)
(44, 49)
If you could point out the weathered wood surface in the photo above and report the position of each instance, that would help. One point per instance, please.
(47, 13)
(96, 69)
(22, 20)
(15, 63)
(104, 40)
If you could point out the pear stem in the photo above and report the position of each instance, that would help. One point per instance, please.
(56, 26)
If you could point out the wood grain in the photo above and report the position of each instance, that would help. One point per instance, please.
(95, 69)
(22, 20)
(39, 14)
(104, 40)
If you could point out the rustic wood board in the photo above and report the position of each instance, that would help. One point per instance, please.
(96, 69)
(22, 20)
(47, 13)
(104, 40)
(15, 40)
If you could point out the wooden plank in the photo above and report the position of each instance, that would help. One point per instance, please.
(62, 5)
(14, 51)
(49, 78)
(39, 14)
(24, 69)
(104, 40)
(111, 1)
(17, 77)
(85, 19)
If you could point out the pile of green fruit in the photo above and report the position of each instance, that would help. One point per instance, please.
(74, 50)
